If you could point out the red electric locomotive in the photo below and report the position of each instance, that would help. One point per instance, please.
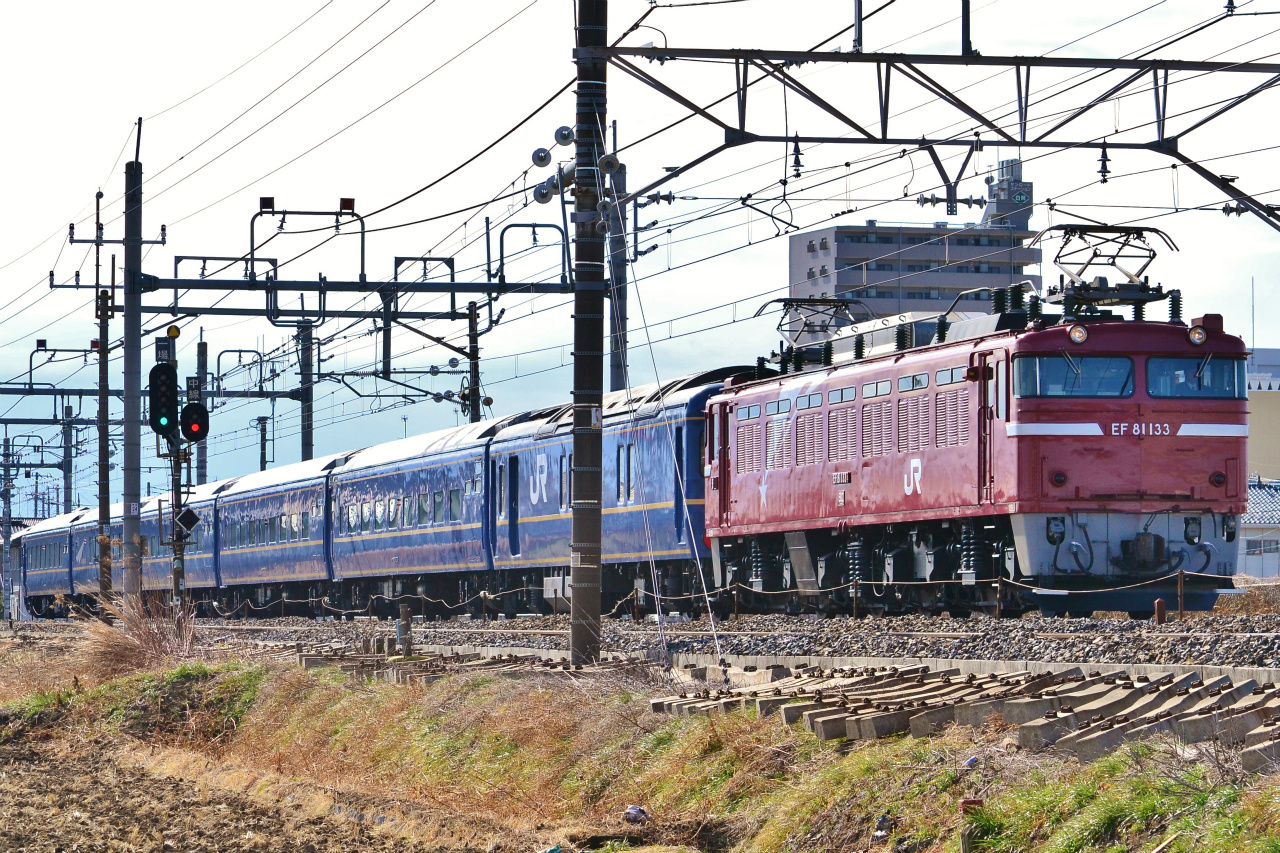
(1073, 462)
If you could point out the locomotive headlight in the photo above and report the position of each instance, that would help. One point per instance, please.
(1197, 335)
(1078, 334)
(1229, 528)
(1191, 529)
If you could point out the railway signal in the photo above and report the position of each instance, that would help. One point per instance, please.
(195, 422)
(163, 395)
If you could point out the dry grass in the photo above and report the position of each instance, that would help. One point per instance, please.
(140, 636)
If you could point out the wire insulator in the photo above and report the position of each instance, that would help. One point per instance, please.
(941, 334)
(1175, 306)
(859, 347)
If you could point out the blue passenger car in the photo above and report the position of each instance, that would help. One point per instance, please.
(651, 517)
(272, 529)
(412, 508)
(46, 559)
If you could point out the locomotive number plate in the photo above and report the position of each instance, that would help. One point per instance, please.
(1140, 428)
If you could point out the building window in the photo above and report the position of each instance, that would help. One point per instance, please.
(812, 274)
(812, 247)
(823, 244)
(824, 270)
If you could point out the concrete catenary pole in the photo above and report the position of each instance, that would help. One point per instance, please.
(131, 492)
(618, 283)
(588, 337)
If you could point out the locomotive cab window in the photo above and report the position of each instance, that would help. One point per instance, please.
(1203, 377)
(1065, 375)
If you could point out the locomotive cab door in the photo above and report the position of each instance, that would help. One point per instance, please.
(982, 370)
(717, 463)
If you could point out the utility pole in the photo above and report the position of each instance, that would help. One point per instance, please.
(202, 371)
(306, 345)
(132, 545)
(263, 420)
(106, 310)
(473, 373)
(618, 279)
(12, 583)
(68, 458)
(588, 335)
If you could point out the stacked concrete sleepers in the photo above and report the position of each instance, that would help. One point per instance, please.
(1088, 714)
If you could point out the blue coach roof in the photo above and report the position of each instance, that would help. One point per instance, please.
(418, 446)
(284, 475)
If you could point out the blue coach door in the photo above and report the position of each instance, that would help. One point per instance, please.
(513, 504)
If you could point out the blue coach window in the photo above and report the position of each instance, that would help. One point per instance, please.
(455, 504)
(437, 508)
(424, 508)
(306, 525)
(366, 516)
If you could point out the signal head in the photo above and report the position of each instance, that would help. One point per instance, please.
(162, 394)
(173, 332)
(195, 422)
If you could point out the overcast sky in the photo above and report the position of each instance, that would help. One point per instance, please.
(311, 101)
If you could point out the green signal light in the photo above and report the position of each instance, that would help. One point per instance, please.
(164, 421)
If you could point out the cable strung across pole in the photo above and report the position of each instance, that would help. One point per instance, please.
(588, 337)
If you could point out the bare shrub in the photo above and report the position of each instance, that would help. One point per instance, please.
(141, 635)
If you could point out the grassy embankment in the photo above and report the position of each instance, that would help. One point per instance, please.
(523, 762)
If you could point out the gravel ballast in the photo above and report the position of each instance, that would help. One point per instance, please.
(1215, 640)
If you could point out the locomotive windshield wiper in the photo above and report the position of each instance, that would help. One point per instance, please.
(1075, 368)
(1203, 364)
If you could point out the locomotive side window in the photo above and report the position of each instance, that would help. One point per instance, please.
(777, 407)
(1064, 375)
(1203, 377)
(871, 390)
(842, 395)
(915, 382)
(746, 413)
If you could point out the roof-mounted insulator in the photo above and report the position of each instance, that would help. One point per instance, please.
(998, 303)
(1033, 308)
(1017, 296)
(1175, 306)
(859, 348)
(760, 367)
(797, 359)
(1139, 311)
(828, 354)
(941, 335)
(902, 337)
